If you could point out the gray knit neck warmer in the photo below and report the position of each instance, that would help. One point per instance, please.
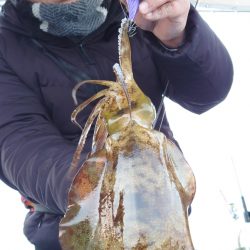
(78, 18)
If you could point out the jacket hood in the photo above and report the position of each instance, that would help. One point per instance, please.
(17, 17)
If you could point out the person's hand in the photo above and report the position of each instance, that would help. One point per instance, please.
(166, 19)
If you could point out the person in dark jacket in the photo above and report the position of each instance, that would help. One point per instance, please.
(48, 46)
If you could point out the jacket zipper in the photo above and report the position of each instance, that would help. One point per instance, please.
(87, 59)
(85, 55)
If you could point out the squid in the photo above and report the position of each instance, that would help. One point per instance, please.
(134, 189)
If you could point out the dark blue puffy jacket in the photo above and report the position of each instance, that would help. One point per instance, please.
(37, 74)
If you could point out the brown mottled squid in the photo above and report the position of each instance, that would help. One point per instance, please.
(133, 190)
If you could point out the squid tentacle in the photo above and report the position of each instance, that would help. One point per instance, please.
(125, 51)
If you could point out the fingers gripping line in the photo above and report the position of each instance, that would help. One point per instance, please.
(155, 10)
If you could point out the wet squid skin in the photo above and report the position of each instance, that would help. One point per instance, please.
(133, 190)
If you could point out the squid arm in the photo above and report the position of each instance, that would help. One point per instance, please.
(96, 82)
(97, 109)
(100, 134)
(85, 104)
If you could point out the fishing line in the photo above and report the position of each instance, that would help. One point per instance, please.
(125, 12)
(246, 213)
(197, 1)
(160, 107)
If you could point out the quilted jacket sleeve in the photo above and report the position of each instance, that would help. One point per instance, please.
(200, 71)
(40, 174)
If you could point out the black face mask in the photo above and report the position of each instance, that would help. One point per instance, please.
(78, 18)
